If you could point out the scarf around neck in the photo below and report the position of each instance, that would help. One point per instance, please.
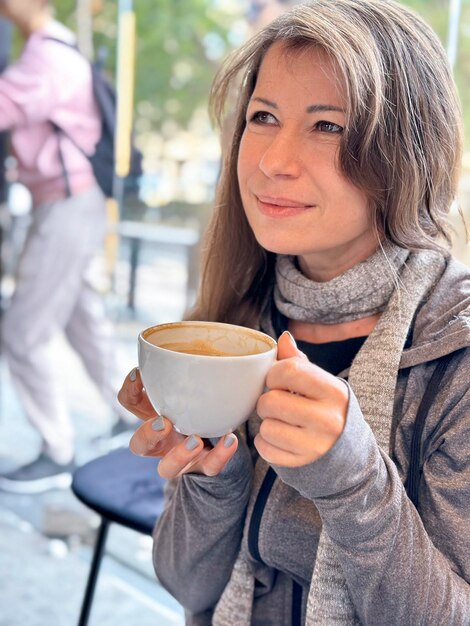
(394, 282)
(361, 291)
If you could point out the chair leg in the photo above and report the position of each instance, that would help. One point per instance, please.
(94, 571)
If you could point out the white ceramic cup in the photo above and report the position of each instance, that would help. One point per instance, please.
(205, 394)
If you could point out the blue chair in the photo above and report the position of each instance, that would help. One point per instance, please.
(124, 489)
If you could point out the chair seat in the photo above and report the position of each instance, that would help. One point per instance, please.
(123, 488)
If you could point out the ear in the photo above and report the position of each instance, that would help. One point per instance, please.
(287, 348)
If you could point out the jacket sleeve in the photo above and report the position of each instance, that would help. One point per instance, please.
(198, 536)
(27, 93)
(402, 569)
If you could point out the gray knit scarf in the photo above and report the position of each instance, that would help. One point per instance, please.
(393, 282)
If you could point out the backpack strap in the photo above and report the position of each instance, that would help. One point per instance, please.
(69, 44)
(59, 131)
(432, 388)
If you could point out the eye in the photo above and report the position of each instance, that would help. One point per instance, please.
(328, 127)
(262, 118)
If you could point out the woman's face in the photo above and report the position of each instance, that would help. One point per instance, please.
(295, 197)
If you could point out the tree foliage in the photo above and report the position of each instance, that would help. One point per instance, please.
(436, 13)
(180, 43)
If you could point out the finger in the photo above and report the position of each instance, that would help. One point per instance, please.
(276, 456)
(287, 348)
(217, 458)
(283, 405)
(302, 443)
(181, 457)
(155, 438)
(283, 436)
(292, 408)
(321, 419)
(133, 396)
(299, 376)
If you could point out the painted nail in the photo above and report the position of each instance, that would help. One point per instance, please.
(158, 423)
(133, 375)
(191, 443)
(229, 440)
(292, 340)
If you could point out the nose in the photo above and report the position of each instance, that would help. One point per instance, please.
(281, 157)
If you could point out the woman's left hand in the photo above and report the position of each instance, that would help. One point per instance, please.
(303, 412)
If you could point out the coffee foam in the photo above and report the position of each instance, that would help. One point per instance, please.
(200, 347)
(209, 339)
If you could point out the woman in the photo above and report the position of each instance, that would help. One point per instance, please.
(330, 223)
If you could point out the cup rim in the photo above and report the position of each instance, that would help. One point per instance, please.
(250, 331)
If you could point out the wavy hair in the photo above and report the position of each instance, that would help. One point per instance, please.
(402, 141)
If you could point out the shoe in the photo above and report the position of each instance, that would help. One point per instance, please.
(42, 474)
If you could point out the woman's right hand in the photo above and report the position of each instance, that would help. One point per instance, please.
(157, 437)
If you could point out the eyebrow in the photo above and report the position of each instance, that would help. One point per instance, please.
(313, 108)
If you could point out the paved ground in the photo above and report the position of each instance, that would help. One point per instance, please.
(46, 540)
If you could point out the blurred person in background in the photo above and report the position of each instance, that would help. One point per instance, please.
(5, 43)
(51, 84)
(331, 505)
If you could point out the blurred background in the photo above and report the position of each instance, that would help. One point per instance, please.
(148, 274)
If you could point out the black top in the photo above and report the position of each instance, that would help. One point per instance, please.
(334, 356)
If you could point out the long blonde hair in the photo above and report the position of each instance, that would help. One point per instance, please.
(402, 141)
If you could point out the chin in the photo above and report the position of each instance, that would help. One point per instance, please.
(283, 238)
(279, 247)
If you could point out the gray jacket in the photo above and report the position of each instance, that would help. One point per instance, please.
(403, 566)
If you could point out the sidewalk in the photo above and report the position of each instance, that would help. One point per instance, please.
(43, 582)
(46, 540)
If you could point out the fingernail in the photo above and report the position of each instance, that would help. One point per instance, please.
(292, 340)
(158, 423)
(133, 375)
(229, 440)
(191, 443)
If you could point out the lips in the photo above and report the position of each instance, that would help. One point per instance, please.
(280, 202)
(277, 207)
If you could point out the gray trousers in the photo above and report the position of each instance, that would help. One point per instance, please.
(54, 295)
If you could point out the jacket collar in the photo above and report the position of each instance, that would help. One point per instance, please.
(442, 323)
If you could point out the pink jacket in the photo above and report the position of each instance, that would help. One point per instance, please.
(50, 82)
